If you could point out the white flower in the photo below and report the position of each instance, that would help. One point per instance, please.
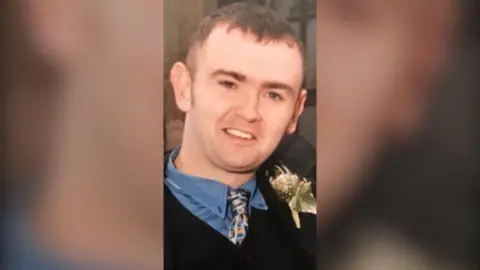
(295, 191)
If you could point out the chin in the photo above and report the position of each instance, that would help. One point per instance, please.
(241, 161)
(242, 167)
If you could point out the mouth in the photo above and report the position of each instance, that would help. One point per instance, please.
(240, 134)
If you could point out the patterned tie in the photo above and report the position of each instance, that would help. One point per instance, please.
(238, 200)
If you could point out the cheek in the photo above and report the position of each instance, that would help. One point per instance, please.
(208, 104)
(276, 119)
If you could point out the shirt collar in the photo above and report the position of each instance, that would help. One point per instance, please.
(210, 193)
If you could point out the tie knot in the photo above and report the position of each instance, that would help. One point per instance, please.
(238, 200)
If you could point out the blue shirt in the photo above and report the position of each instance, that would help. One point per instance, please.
(207, 199)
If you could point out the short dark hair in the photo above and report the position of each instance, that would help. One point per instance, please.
(262, 22)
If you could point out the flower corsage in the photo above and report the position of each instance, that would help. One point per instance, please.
(295, 191)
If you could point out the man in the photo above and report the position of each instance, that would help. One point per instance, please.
(240, 89)
(95, 203)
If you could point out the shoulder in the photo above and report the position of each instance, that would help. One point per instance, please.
(298, 155)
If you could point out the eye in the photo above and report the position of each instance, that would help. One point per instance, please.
(228, 84)
(274, 96)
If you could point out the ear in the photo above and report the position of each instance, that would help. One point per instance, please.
(298, 111)
(182, 86)
(56, 27)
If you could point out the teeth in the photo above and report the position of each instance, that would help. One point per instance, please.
(239, 133)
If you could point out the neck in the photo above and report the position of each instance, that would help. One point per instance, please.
(78, 214)
(191, 162)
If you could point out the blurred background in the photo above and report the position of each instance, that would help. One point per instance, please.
(82, 106)
(181, 18)
(418, 206)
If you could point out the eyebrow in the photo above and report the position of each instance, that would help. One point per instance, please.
(237, 76)
(277, 85)
(241, 77)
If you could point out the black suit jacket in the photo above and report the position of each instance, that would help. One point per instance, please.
(299, 156)
(273, 241)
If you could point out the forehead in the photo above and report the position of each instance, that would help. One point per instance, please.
(241, 52)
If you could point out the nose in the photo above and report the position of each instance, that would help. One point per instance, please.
(248, 108)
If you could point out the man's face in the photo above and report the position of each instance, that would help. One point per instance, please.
(245, 97)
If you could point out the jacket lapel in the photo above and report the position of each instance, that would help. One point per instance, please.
(281, 212)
